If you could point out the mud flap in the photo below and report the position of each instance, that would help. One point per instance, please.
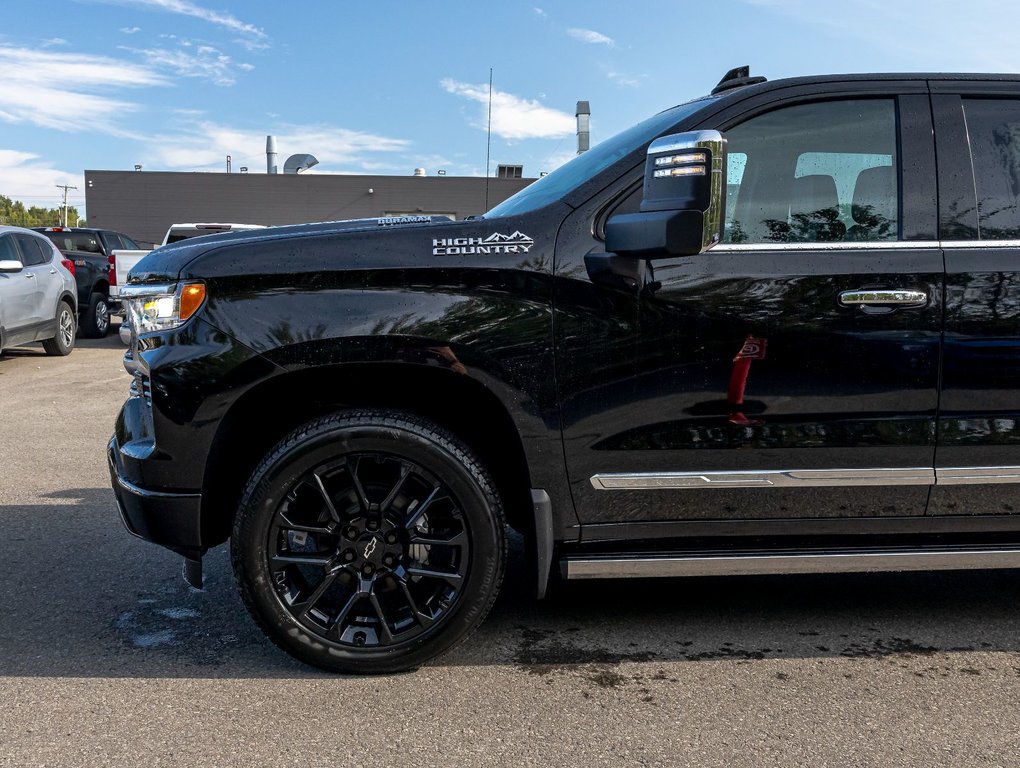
(192, 572)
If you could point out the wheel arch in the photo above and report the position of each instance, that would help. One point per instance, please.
(70, 298)
(267, 412)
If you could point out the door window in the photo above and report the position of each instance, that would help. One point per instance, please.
(32, 251)
(994, 129)
(824, 172)
(8, 252)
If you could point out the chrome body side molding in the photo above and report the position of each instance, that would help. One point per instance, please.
(976, 475)
(804, 478)
(780, 478)
(757, 564)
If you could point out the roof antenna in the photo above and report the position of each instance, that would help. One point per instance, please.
(735, 78)
(488, 142)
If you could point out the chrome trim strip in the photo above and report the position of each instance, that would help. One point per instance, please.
(976, 475)
(762, 564)
(804, 478)
(955, 244)
(133, 291)
(134, 490)
(781, 478)
(858, 245)
(690, 140)
(885, 296)
(876, 245)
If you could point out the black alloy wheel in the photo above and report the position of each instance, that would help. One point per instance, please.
(369, 541)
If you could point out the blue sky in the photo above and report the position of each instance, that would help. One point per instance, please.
(385, 86)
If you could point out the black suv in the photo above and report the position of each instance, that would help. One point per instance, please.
(90, 251)
(774, 329)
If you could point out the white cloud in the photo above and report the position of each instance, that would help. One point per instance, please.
(24, 177)
(590, 36)
(540, 12)
(66, 91)
(627, 81)
(512, 116)
(202, 61)
(186, 8)
(130, 30)
(205, 145)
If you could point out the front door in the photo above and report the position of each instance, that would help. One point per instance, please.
(17, 293)
(789, 373)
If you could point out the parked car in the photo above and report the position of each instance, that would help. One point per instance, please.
(38, 298)
(822, 376)
(91, 252)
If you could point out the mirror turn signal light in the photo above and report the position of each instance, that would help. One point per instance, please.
(684, 170)
(687, 157)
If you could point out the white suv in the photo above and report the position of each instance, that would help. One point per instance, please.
(38, 299)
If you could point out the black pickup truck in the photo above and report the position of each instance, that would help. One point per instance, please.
(90, 250)
(771, 330)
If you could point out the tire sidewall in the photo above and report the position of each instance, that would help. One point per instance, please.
(56, 345)
(272, 481)
(90, 320)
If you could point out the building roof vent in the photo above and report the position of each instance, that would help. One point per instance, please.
(298, 163)
(583, 115)
(509, 171)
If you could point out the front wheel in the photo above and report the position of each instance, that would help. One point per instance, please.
(369, 542)
(63, 342)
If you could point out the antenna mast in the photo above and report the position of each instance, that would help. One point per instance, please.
(488, 143)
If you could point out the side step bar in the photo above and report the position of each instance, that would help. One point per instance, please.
(762, 563)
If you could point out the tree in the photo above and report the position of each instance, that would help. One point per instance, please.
(15, 213)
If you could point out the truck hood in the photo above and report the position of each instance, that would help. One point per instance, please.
(166, 263)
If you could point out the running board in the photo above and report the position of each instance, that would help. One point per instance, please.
(762, 563)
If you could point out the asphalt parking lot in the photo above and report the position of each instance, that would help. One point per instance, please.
(108, 658)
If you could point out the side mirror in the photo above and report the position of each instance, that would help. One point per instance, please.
(10, 265)
(683, 205)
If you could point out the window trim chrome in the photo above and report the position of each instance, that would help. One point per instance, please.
(866, 245)
(953, 245)
(840, 245)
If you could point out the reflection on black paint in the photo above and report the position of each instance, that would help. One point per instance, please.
(877, 430)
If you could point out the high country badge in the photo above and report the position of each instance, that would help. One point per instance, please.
(518, 242)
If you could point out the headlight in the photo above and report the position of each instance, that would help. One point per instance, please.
(161, 307)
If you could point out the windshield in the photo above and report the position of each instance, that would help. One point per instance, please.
(583, 167)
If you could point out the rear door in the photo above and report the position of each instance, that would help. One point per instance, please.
(978, 143)
(789, 374)
(37, 256)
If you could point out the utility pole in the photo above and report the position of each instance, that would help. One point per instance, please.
(65, 187)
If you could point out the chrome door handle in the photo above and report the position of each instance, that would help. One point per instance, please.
(29, 275)
(883, 298)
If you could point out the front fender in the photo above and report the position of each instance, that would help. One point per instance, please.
(494, 327)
